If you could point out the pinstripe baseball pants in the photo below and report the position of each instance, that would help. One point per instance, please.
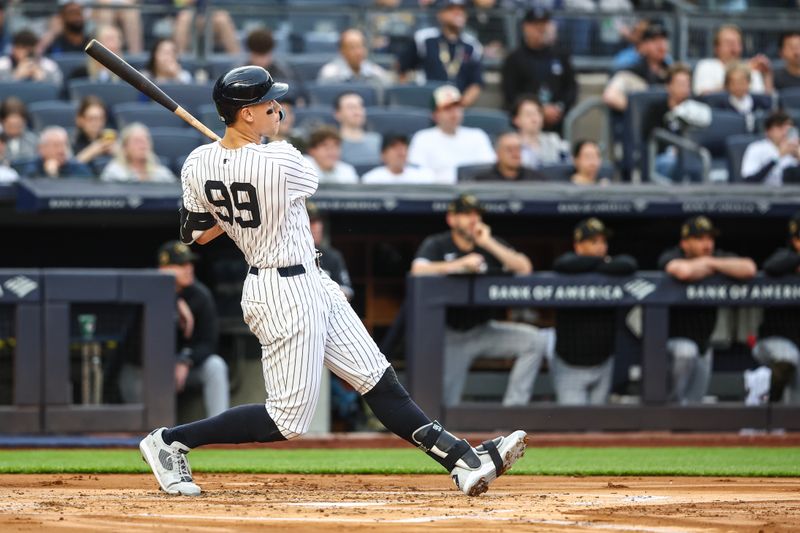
(303, 323)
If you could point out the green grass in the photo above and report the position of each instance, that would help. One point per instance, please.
(539, 461)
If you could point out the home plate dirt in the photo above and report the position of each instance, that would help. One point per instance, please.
(249, 502)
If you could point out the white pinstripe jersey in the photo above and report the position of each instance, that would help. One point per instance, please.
(257, 195)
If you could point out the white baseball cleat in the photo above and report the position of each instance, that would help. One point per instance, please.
(497, 457)
(168, 463)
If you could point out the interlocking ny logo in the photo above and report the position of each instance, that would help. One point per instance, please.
(21, 286)
(640, 288)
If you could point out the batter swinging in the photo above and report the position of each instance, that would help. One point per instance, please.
(256, 194)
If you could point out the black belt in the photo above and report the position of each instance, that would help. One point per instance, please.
(284, 272)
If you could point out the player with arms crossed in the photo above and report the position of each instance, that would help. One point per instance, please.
(256, 194)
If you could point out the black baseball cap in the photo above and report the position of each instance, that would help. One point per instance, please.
(794, 226)
(537, 14)
(465, 203)
(313, 211)
(175, 253)
(654, 31)
(697, 227)
(444, 4)
(590, 227)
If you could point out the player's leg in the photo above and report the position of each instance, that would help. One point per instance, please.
(601, 388)
(684, 354)
(570, 382)
(460, 350)
(212, 376)
(701, 378)
(352, 355)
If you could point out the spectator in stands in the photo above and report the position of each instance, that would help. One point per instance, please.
(583, 364)
(21, 142)
(778, 346)
(669, 114)
(448, 145)
(359, 147)
(789, 74)
(4, 41)
(197, 363)
(737, 85)
(191, 20)
(163, 65)
(488, 27)
(324, 156)
(587, 159)
(71, 37)
(651, 69)
(7, 174)
(471, 248)
(93, 142)
(260, 45)
(111, 37)
(55, 158)
(22, 64)
(690, 328)
(287, 131)
(538, 147)
(135, 159)
(395, 169)
(629, 56)
(709, 73)
(352, 64)
(508, 148)
(767, 160)
(128, 19)
(447, 53)
(537, 68)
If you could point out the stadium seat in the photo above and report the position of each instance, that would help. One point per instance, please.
(306, 66)
(397, 120)
(313, 116)
(170, 144)
(110, 93)
(631, 126)
(470, 172)
(363, 168)
(150, 114)
(720, 100)
(207, 114)
(558, 172)
(69, 62)
(723, 125)
(790, 98)
(29, 91)
(52, 113)
(317, 42)
(492, 121)
(410, 95)
(735, 145)
(189, 96)
(325, 94)
(217, 65)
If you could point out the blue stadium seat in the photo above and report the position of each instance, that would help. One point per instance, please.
(492, 121)
(397, 120)
(207, 114)
(723, 125)
(313, 115)
(628, 130)
(306, 67)
(317, 42)
(720, 100)
(110, 93)
(52, 113)
(735, 145)
(470, 172)
(189, 96)
(151, 115)
(410, 95)
(217, 65)
(170, 144)
(790, 98)
(558, 172)
(363, 168)
(325, 94)
(29, 91)
(69, 62)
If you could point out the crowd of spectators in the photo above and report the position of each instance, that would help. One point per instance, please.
(446, 52)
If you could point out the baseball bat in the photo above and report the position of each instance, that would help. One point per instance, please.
(121, 68)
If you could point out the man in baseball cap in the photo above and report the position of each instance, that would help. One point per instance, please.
(695, 258)
(778, 346)
(449, 145)
(583, 363)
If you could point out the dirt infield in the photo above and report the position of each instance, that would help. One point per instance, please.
(249, 502)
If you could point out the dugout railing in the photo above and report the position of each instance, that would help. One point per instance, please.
(428, 297)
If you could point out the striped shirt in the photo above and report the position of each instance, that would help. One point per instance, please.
(257, 195)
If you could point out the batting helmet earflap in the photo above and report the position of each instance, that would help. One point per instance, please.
(242, 87)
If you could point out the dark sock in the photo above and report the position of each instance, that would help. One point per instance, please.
(245, 423)
(394, 407)
(782, 375)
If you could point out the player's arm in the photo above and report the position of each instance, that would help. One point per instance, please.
(196, 227)
(512, 260)
(734, 267)
(689, 269)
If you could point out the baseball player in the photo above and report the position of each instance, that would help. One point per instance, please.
(256, 194)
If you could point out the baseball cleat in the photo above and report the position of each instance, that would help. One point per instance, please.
(497, 457)
(168, 463)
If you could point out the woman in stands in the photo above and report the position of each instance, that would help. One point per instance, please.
(163, 66)
(538, 147)
(587, 159)
(135, 160)
(93, 143)
(21, 143)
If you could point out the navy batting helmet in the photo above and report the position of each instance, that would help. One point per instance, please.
(242, 87)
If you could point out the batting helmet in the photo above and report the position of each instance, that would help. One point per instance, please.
(242, 87)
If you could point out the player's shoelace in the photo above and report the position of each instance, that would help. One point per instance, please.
(179, 458)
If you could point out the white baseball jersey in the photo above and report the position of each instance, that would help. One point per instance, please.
(257, 195)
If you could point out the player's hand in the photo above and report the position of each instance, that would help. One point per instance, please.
(483, 234)
(185, 318)
(473, 262)
(181, 373)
